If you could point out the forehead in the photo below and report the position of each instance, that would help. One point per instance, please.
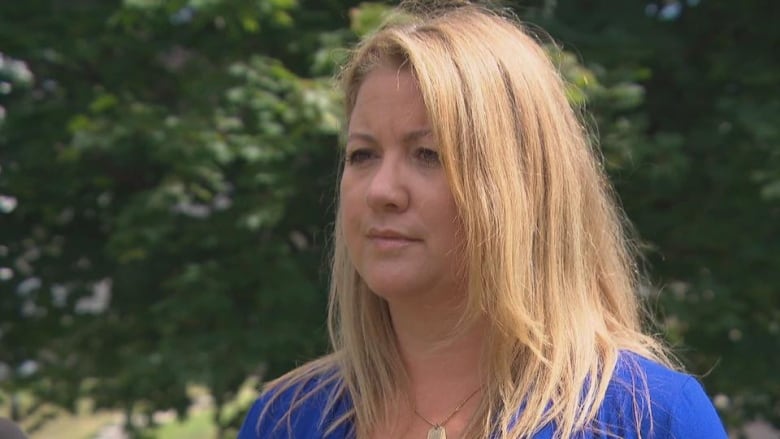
(388, 82)
(388, 97)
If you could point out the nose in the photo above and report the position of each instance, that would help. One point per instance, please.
(388, 190)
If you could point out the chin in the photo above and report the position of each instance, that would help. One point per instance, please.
(391, 289)
(388, 292)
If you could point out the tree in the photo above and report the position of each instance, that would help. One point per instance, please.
(695, 159)
(173, 164)
(167, 172)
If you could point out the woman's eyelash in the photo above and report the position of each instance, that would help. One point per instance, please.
(428, 156)
(358, 156)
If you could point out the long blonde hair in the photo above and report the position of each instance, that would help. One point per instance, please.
(546, 248)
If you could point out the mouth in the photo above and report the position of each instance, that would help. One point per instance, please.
(390, 239)
(389, 234)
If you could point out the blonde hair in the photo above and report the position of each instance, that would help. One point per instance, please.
(546, 248)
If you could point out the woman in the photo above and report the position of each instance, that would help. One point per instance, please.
(482, 284)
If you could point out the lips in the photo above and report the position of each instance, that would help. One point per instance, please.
(387, 239)
(389, 234)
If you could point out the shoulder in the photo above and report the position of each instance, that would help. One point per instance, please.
(300, 407)
(647, 399)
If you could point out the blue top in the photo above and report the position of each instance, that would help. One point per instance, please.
(680, 409)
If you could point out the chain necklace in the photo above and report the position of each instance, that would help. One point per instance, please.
(437, 429)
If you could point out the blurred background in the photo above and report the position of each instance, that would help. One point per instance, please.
(167, 180)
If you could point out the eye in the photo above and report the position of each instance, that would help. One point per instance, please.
(427, 156)
(359, 156)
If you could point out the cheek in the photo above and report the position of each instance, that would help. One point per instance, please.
(349, 192)
(445, 212)
(450, 231)
(350, 214)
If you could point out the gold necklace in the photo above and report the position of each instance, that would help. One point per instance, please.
(437, 429)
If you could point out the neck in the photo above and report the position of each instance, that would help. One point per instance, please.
(442, 369)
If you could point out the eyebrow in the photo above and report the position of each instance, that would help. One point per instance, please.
(407, 138)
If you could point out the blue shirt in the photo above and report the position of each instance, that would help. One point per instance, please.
(680, 409)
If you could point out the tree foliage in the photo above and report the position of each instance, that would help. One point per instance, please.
(696, 165)
(167, 172)
(172, 164)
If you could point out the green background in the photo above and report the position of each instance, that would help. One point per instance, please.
(167, 172)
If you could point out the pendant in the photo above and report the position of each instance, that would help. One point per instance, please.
(437, 432)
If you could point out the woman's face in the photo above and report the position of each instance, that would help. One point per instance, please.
(398, 214)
